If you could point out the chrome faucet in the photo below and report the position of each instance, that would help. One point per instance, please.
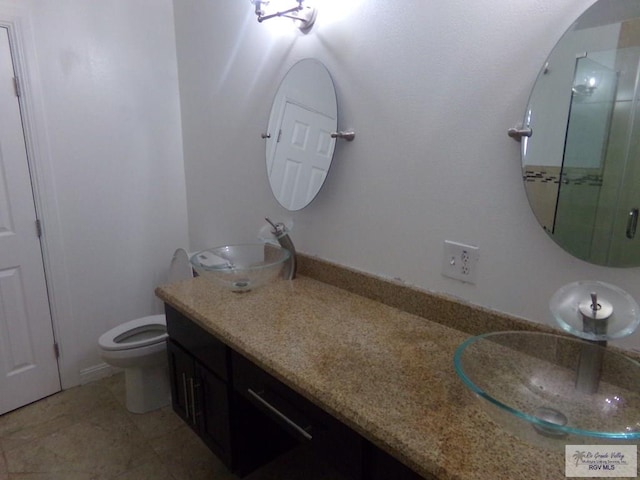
(595, 312)
(595, 317)
(281, 233)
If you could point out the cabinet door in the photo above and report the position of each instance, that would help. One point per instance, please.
(201, 399)
(181, 374)
(212, 413)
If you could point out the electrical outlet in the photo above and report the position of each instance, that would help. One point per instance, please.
(460, 261)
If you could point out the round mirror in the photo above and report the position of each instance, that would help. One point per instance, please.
(299, 143)
(581, 164)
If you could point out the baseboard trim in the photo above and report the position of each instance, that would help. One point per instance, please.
(96, 372)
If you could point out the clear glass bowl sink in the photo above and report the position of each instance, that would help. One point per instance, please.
(526, 381)
(241, 268)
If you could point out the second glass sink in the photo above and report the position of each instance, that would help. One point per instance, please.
(527, 382)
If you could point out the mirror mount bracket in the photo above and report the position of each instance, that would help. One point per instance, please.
(519, 131)
(348, 136)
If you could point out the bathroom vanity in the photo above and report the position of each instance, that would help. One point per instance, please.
(370, 387)
(203, 396)
(247, 417)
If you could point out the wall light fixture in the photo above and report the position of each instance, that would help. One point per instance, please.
(304, 14)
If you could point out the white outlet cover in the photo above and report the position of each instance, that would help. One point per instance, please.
(460, 261)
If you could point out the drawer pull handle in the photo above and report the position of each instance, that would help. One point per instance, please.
(632, 223)
(193, 401)
(280, 415)
(186, 396)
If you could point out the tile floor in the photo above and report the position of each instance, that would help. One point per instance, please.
(86, 433)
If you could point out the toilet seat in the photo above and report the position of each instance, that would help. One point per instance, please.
(139, 348)
(137, 333)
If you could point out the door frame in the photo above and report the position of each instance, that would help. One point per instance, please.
(17, 20)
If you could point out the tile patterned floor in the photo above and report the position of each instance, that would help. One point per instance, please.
(86, 433)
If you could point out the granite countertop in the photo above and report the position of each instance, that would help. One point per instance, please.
(386, 373)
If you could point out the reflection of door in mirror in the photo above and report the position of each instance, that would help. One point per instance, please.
(304, 143)
(593, 96)
(299, 147)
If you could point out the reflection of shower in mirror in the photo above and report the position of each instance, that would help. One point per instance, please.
(580, 154)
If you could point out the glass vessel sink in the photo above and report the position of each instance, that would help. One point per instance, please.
(526, 382)
(241, 268)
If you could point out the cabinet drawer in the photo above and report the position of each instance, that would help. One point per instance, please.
(334, 441)
(207, 349)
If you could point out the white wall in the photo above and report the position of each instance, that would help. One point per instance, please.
(430, 89)
(104, 77)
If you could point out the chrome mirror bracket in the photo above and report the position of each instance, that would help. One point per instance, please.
(519, 131)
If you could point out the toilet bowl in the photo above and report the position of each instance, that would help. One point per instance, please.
(139, 347)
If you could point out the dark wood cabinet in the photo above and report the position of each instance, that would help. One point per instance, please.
(198, 369)
(202, 400)
(202, 395)
(382, 466)
(329, 438)
(181, 369)
(247, 417)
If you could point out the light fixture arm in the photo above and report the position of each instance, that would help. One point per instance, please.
(285, 13)
(305, 15)
(258, 10)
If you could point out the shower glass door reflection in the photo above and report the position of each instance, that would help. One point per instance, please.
(624, 244)
(579, 206)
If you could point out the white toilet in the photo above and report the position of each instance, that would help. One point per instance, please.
(139, 347)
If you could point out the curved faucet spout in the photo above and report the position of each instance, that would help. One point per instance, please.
(282, 235)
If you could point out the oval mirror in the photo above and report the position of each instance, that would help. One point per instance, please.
(299, 145)
(581, 164)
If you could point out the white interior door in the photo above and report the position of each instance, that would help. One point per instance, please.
(28, 365)
(305, 144)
